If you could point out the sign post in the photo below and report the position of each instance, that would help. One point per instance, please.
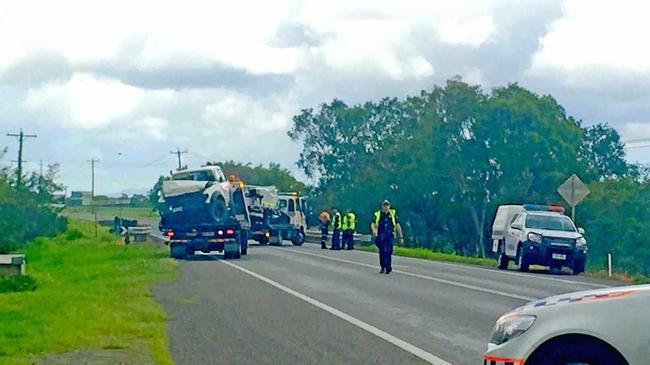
(573, 190)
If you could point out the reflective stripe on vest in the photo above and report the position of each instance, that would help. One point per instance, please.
(393, 217)
(336, 222)
(352, 221)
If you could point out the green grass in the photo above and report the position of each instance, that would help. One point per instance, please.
(93, 293)
(126, 212)
(427, 254)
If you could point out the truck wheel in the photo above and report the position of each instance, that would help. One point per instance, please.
(244, 242)
(177, 251)
(298, 238)
(578, 267)
(522, 262)
(502, 261)
(218, 210)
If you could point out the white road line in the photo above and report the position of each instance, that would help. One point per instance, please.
(430, 278)
(530, 276)
(424, 355)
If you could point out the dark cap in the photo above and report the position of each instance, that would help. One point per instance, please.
(385, 202)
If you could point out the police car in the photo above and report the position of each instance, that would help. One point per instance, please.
(600, 327)
(537, 235)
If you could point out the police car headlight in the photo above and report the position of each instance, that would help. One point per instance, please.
(581, 242)
(511, 326)
(535, 237)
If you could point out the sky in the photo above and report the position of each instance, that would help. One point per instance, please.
(127, 82)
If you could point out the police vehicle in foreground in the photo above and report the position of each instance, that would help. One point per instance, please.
(537, 235)
(599, 327)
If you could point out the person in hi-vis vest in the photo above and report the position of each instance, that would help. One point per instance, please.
(384, 226)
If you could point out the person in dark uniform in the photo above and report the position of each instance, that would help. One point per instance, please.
(384, 226)
(336, 229)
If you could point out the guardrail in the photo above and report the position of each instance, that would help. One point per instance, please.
(315, 236)
(139, 233)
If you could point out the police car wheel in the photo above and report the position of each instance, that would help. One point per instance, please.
(569, 350)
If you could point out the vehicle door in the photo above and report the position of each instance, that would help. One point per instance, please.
(292, 212)
(513, 234)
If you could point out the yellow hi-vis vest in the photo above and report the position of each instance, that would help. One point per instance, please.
(393, 217)
(349, 222)
(336, 222)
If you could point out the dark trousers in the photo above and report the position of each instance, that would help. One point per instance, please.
(348, 239)
(385, 246)
(324, 232)
(336, 239)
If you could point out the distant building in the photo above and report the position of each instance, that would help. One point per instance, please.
(80, 198)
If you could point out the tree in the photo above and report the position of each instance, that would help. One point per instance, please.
(603, 154)
(154, 194)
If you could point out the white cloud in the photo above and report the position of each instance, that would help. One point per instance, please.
(248, 115)
(635, 130)
(85, 101)
(474, 31)
(596, 35)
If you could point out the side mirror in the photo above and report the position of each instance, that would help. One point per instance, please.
(581, 230)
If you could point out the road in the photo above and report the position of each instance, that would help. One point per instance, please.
(304, 305)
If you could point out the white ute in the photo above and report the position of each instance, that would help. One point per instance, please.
(537, 235)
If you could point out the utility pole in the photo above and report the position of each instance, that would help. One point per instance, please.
(178, 153)
(21, 138)
(92, 184)
(92, 191)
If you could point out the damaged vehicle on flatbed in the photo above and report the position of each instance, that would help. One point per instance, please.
(202, 211)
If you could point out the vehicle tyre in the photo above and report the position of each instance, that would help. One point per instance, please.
(244, 242)
(217, 210)
(576, 350)
(502, 259)
(298, 238)
(522, 262)
(578, 267)
(178, 251)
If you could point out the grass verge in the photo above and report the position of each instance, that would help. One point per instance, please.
(93, 293)
(426, 254)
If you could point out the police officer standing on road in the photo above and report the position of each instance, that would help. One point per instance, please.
(384, 226)
(349, 226)
(336, 229)
(324, 219)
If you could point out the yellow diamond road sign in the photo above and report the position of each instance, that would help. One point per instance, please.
(573, 190)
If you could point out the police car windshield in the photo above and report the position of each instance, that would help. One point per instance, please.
(549, 222)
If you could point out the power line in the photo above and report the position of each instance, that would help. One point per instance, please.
(21, 138)
(178, 153)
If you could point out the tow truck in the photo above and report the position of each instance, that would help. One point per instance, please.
(202, 211)
(532, 234)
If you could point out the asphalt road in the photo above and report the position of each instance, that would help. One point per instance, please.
(304, 305)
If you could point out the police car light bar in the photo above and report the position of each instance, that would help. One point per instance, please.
(547, 208)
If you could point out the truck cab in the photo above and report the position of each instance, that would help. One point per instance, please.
(293, 205)
(538, 235)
